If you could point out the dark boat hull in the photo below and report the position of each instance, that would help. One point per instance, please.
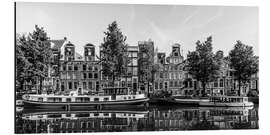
(170, 101)
(94, 105)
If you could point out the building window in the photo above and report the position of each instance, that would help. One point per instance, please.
(64, 67)
(161, 85)
(195, 85)
(160, 75)
(165, 85)
(95, 75)
(166, 67)
(180, 83)
(69, 85)
(175, 84)
(253, 84)
(75, 85)
(69, 67)
(176, 75)
(190, 84)
(96, 69)
(171, 83)
(69, 75)
(90, 75)
(90, 68)
(123, 84)
(84, 67)
(84, 76)
(156, 85)
(129, 84)
(179, 68)
(221, 83)
(75, 67)
(62, 76)
(165, 75)
(84, 85)
(216, 83)
(89, 85)
(135, 71)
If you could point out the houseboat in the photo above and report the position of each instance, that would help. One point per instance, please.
(111, 97)
(227, 101)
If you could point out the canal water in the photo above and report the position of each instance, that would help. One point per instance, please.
(173, 118)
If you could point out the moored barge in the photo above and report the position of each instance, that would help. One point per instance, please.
(112, 97)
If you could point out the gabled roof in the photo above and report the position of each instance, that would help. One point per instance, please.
(57, 44)
(89, 45)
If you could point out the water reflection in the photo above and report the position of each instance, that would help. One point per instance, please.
(153, 119)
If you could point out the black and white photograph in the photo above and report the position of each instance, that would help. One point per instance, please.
(101, 67)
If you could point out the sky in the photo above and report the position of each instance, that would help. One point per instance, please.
(164, 24)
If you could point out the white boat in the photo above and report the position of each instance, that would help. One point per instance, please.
(112, 97)
(227, 101)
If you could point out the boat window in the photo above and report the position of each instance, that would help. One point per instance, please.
(106, 99)
(54, 116)
(82, 115)
(106, 114)
(50, 99)
(78, 99)
(96, 99)
(133, 97)
(68, 100)
(96, 114)
(58, 99)
(86, 99)
(40, 99)
(241, 99)
(129, 97)
(125, 98)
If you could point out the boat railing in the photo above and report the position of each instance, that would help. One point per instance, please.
(228, 99)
